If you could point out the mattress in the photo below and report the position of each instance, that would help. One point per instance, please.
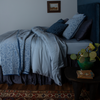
(75, 46)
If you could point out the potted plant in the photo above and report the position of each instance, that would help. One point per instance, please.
(86, 57)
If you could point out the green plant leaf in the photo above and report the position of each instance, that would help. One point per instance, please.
(92, 59)
(81, 59)
(82, 50)
(92, 54)
(85, 54)
(73, 56)
(91, 47)
(97, 44)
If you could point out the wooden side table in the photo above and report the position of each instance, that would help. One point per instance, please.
(70, 73)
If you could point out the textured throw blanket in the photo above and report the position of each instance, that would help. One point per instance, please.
(36, 50)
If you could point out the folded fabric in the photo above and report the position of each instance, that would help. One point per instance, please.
(57, 28)
(73, 25)
(84, 30)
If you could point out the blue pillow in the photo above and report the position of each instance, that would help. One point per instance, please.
(57, 28)
(73, 26)
(60, 21)
(78, 15)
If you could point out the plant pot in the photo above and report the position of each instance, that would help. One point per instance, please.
(86, 65)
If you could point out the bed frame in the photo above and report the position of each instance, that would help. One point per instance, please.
(92, 11)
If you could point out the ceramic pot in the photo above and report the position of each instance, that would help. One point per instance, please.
(86, 65)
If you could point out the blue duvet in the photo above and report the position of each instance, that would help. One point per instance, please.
(37, 50)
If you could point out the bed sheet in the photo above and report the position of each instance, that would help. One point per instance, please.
(75, 46)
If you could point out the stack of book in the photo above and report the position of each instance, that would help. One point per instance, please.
(85, 74)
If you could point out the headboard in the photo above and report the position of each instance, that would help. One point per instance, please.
(92, 11)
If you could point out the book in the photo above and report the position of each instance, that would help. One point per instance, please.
(85, 74)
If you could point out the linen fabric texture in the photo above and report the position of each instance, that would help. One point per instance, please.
(73, 25)
(34, 49)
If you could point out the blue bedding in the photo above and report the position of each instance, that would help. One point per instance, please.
(23, 50)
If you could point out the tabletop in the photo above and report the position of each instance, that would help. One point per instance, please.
(70, 73)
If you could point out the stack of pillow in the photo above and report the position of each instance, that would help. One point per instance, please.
(76, 27)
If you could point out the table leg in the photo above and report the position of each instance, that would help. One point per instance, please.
(77, 89)
(93, 91)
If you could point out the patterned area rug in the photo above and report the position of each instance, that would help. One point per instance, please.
(40, 95)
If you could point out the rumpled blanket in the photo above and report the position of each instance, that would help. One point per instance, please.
(24, 50)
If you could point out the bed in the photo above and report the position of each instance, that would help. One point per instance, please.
(68, 45)
(33, 78)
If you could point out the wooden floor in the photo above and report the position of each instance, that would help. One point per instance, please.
(52, 87)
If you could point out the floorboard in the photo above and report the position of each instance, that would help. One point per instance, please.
(52, 87)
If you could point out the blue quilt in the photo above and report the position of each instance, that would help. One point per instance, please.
(37, 50)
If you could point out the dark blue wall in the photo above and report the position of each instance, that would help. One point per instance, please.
(81, 2)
